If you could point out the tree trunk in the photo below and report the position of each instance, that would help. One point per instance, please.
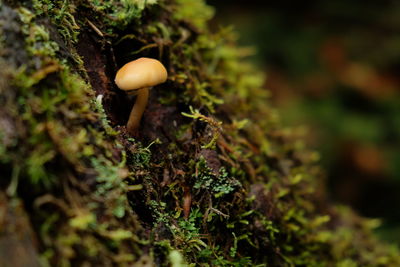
(212, 179)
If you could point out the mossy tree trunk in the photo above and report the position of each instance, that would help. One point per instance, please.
(212, 179)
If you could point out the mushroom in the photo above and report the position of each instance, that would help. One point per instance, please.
(136, 78)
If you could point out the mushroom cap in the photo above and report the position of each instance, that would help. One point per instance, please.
(140, 73)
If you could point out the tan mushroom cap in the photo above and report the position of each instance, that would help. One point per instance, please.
(140, 73)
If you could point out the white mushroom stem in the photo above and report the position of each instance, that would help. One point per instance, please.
(137, 110)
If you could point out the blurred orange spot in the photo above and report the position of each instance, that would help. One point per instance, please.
(369, 160)
(333, 54)
(367, 80)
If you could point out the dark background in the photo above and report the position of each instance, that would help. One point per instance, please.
(334, 67)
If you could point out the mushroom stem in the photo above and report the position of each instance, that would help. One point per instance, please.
(137, 110)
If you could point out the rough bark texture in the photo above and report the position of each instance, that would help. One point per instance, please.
(212, 180)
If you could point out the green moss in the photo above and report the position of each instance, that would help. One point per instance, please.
(193, 11)
(218, 185)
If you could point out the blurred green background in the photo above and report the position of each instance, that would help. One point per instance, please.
(334, 66)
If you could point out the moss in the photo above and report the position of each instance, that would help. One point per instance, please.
(207, 183)
(194, 12)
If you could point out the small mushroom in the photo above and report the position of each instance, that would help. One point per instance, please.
(136, 78)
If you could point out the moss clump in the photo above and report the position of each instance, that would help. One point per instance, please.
(213, 180)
